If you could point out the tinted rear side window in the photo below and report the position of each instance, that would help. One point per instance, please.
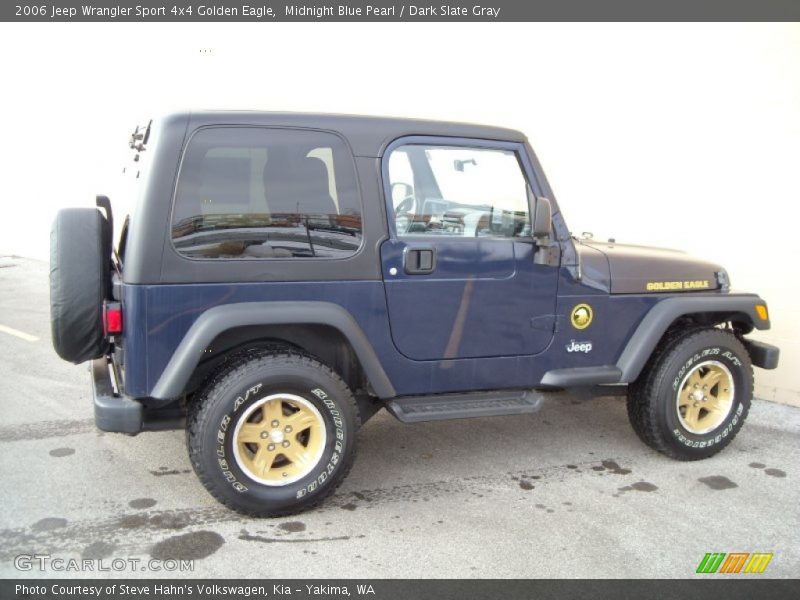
(254, 193)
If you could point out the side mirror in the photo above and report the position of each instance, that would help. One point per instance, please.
(542, 218)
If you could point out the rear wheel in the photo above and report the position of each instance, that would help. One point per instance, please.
(273, 434)
(694, 394)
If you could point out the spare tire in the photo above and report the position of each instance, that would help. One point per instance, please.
(80, 280)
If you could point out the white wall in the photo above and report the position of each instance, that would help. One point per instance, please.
(666, 134)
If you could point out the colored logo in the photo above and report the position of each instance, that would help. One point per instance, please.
(581, 316)
(735, 562)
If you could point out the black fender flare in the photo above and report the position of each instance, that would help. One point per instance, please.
(219, 319)
(656, 322)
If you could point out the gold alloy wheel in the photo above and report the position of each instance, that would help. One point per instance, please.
(279, 439)
(705, 397)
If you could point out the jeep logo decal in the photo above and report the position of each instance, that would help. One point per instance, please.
(584, 347)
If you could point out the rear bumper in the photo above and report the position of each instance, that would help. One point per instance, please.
(763, 355)
(113, 412)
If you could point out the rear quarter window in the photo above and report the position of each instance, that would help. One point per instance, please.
(258, 193)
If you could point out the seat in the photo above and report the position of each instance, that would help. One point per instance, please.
(297, 187)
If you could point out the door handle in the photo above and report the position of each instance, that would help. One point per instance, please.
(419, 261)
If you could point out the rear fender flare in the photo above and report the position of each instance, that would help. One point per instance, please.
(219, 319)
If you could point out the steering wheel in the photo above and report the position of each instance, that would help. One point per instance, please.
(404, 211)
(404, 215)
(406, 204)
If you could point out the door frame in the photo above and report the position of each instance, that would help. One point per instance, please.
(519, 148)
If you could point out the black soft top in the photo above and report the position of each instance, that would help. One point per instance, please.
(368, 136)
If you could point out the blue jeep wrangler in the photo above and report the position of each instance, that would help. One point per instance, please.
(281, 277)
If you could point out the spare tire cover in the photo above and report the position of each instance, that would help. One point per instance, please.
(80, 280)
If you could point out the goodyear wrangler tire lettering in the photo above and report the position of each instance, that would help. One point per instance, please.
(694, 394)
(273, 434)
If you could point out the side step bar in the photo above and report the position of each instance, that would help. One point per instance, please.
(439, 407)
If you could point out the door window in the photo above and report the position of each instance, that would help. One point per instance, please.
(458, 191)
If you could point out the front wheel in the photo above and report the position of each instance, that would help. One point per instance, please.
(694, 394)
(274, 434)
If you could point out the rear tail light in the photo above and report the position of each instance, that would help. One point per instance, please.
(112, 318)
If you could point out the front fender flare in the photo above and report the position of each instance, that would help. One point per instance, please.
(662, 315)
(219, 319)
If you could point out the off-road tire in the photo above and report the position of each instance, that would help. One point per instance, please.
(225, 400)
(653, 398)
